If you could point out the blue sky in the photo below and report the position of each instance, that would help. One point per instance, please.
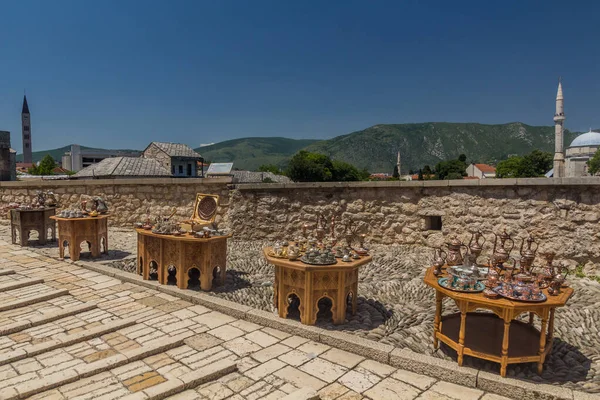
(120, 74)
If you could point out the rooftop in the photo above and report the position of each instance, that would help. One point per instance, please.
(124, 166)
(177, 149)
(590, 138)
(486, 168)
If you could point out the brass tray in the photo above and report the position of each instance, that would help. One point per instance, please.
(305, 261)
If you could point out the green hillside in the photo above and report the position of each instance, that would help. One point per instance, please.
(375, 148)
(251, 153)
(57, 153)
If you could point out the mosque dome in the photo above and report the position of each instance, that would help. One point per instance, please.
(587, 139)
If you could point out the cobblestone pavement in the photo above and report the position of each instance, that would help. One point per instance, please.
(70, 333)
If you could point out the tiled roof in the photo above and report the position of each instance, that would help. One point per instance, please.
(486, 168)
(124, 166)
(177, 149)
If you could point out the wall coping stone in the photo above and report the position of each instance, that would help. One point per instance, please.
(398, 357)
(512, 182)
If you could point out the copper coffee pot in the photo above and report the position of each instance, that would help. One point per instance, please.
(502, 250)
(455, 256)
(476, 244)
(528, 253)
(439, 259)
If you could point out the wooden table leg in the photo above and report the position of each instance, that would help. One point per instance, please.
(438, 318)
(505, 341)
(542, 342)
(461, 335)
(530, 318)
(74, 251)
(61, 247)
(551, 329)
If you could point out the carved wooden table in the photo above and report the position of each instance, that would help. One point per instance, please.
(25, 221)
(311, 283)
(489, 333)
(93, 230)
(184, 253)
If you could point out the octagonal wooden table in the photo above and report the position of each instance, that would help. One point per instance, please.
(37, 219)
(311, 283)
(93, 230)
(487, 335)
(184, 253)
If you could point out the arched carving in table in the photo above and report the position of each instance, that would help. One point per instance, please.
(93, 230)
(22, 222)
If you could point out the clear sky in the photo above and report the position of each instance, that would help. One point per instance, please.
(122, 73)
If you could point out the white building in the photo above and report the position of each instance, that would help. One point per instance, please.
(481, 171)
(77, 159)
(579, 152)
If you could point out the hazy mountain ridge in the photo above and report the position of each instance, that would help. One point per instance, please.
(375, 148)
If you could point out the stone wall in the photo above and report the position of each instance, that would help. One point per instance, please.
(128, 199)
(562, 215)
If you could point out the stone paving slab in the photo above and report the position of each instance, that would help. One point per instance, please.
(174, 344)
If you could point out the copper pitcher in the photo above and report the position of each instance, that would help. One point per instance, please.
(528, 253)
(439, 259)
(476, 244)
(502, 250)
(455, 256)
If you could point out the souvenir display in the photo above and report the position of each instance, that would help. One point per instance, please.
(455, 256)
(42, 200)
(439, 260)
(501, 251)
(462, 284)
(476, 244)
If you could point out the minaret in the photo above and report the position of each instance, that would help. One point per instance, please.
(559, 120)
(398, 164)
(26, 129)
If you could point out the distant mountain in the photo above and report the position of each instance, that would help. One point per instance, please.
(375, 148)
(250, 153)
(58, 153)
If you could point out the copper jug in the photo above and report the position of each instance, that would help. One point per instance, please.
(455, 256)
(476, 244)
(528, 253)
(502, 250)
(439, 259)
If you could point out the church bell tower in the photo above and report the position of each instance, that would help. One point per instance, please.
(559, 121)
(26, 129)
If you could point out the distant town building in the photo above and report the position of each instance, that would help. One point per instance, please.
(573, 162)
(26, 131)
(124, 167)
(582, 148)
(8, 158)
(481, 171)
(77, 158)
(178, 158)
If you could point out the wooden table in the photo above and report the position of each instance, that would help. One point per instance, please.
(489, 333)
(25, 221)
(93, 230)
(184, 253)
(311, 283)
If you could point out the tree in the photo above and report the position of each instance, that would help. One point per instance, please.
(594, 163)
(454, 167)
(531, 165)
(462, 158)
(314, 167)
(396, 173)
(45, 167)
(427, 170)
(270, 168)
(420, 176)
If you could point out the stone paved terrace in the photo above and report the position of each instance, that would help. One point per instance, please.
(67, 332)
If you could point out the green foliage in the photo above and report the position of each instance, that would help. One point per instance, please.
(451, 169)
(427, 170)
(314, 167)
(396, 173)
(270, 168)
(45, 166)
(594, 164)
(462, 158)
(420, 176)
(532, 165)
(268, 180)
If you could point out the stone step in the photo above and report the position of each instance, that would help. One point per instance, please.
(64, 340)
(23, 385)
(303, 394)
(17, 284)
(29, 312)
(45, 318)
(6, 272)
(10, 305)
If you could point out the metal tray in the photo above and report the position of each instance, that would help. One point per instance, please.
(443, 282)
(540, 300)
(305, 261)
